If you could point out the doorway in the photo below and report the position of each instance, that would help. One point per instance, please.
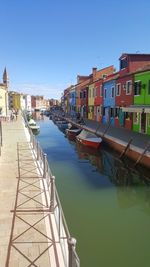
(143, 122)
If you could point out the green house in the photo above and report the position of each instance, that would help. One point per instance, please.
(141, 118)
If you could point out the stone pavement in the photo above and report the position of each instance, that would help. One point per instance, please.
(33, 241)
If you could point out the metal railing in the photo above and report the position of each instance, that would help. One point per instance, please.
(67, 243)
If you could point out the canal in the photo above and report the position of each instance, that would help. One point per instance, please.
(106, 203)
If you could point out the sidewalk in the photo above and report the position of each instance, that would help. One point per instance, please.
(34, 240)
(12, 133)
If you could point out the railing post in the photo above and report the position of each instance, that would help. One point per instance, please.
(52, 196)
(37, 150)
(71, 246)
(44, 165)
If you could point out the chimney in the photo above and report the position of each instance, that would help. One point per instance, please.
(94, 70)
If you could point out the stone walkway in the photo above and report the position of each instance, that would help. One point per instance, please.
(27, 237)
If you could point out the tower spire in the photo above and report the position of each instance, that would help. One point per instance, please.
(5, 78)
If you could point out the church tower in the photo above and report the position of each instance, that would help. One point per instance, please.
(5, 79)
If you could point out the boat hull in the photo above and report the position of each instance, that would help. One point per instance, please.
(89, 143)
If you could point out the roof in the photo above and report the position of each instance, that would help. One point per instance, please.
(135, 54)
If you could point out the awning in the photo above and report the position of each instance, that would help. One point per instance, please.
(132, 109)
(136, 109)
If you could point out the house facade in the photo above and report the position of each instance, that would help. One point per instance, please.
(124, 97)
(141, 116)
(109, 87)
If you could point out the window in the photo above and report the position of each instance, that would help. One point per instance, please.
(84, 94)
(118, 89)
(123, 63)
(149, 87)
(101, 90)
(104, 92)
(113, 91)
(137, 88)
(128, 87)
(80, 94)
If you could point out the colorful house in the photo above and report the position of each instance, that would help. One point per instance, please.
(124, 98)
(82, 95)
(141, 108)
(109, 86)
(14, 100)
(130, 63)
(91, 94)
(72, 101)
(98, 77)
(98, 100)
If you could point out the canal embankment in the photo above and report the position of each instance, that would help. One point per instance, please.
(127, 143)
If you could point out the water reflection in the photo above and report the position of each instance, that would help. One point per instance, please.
(102, 196)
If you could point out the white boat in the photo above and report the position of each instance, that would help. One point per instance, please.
(33, 125)
(89, 139)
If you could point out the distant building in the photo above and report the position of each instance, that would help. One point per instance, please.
(4, 94)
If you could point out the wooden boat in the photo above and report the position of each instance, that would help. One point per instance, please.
(72, 132)
(89, 139)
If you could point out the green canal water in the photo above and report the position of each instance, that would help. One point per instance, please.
(105, 202)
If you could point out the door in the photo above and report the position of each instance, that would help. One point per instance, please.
(143, 122)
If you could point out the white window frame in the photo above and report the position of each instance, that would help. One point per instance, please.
(130, 88)
(118, 84)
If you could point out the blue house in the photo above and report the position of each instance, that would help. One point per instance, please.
(109, 93)
(72, 101)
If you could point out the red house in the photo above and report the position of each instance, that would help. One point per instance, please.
(133, 62)
(124, 97)
(129, 63)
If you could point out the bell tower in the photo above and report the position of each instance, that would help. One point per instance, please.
(5, 78)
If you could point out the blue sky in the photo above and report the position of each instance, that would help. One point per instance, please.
(45, 44)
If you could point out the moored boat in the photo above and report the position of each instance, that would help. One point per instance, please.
(33, 126)
(89, 139)
(72, 132)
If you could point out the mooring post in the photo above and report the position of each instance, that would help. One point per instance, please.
(52, 196)
(71, 246)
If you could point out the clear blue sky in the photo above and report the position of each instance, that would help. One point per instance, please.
(45, 44)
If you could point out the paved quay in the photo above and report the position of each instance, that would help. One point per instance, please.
(28, 237)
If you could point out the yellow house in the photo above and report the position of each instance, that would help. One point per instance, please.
(14, 100)
(3, 100)
(91, 94)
